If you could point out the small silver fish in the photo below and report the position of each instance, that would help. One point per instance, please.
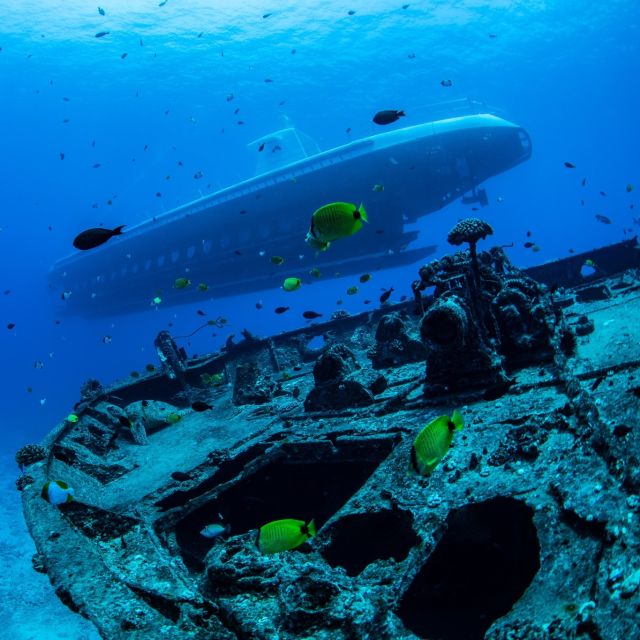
(216, 530)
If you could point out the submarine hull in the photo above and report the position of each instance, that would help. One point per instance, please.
(226, 239)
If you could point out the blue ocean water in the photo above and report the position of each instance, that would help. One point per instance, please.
(156, 89)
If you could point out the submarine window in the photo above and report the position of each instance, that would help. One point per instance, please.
(191, 251)
(525, 140)
(175, 254)
(206, 246)
(462, 167)
(160, 260)
(147, 265)
(225, 240)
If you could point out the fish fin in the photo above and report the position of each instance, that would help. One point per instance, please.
(69, 498)
(457, 420)
(363, 213)
(312, 229)
(311, 528)
(400, 113)
(118, 230)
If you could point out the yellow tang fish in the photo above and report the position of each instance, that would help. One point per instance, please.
(334, 221)
(433, 442)
(283, 535)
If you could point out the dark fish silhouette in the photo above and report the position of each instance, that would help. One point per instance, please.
(569, 165)
(311, 315)
(387, 116)
(386, 295)
(102, 34)
(92, 238)
(281, 309)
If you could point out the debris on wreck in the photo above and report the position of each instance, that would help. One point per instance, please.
(527, 528)
(486, 316)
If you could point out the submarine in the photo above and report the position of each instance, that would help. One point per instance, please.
(226, 239)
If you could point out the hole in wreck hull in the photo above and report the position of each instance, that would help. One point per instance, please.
(357, 540)
(280, 489)
(480, 568)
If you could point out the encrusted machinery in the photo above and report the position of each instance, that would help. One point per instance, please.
(528, 529)
(486, 317)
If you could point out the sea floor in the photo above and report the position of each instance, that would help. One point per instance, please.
(29, 607)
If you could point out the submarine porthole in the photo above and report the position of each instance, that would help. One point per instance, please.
(191, 251)
(525, 140)
(480, 568)
(175, 255)
(147, 265)
(160, 260)
(206, 246)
